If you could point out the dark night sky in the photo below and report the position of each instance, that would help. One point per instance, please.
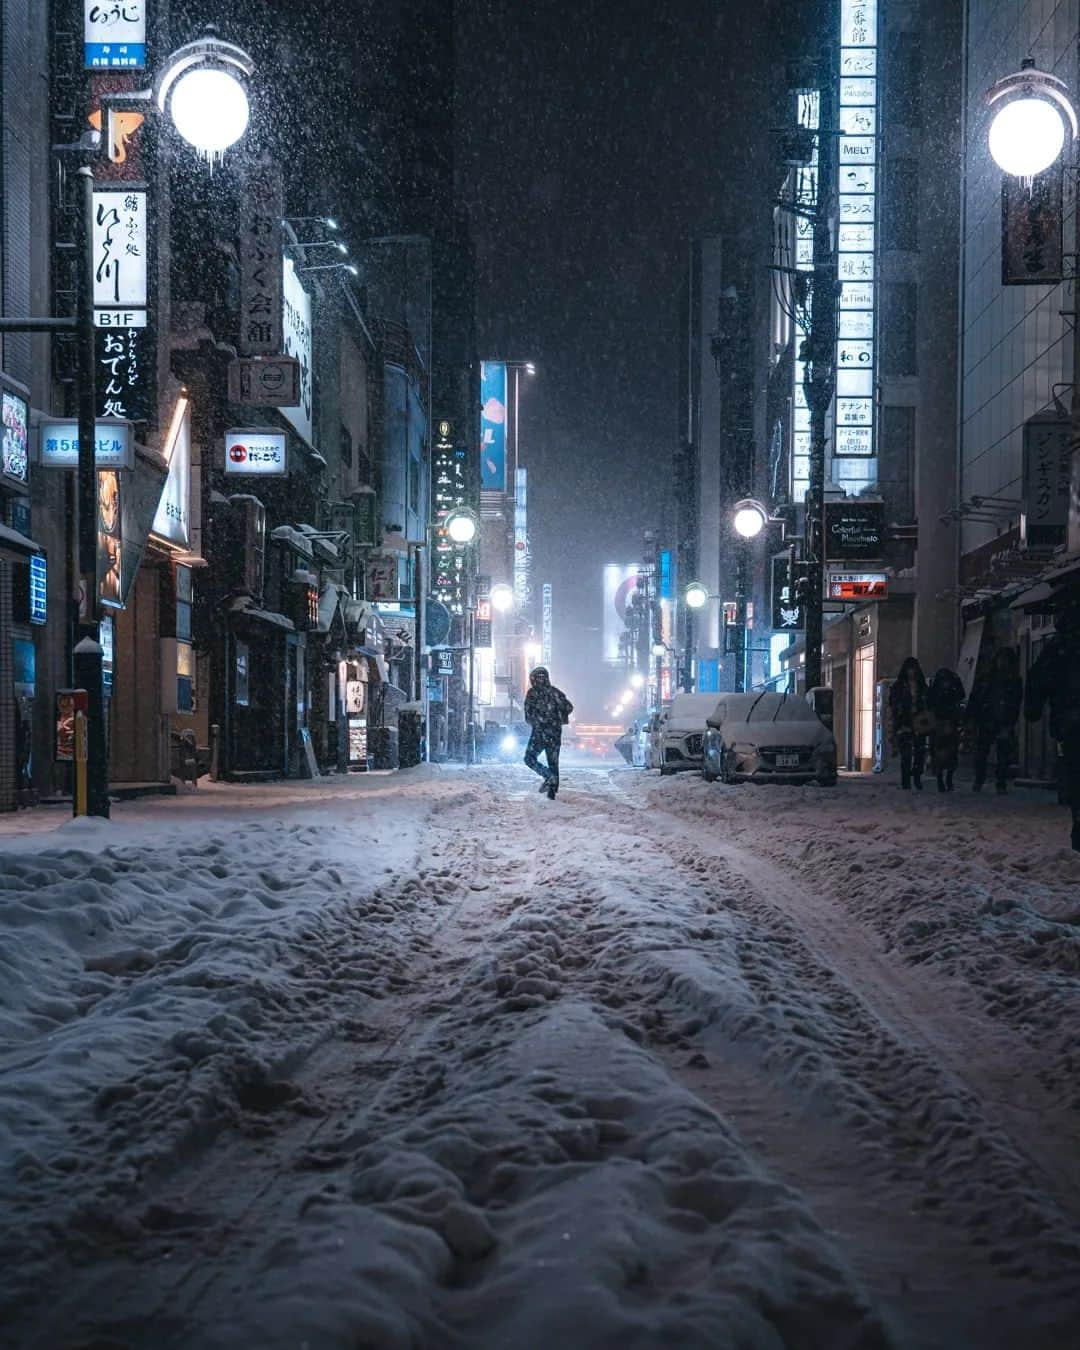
(596, 140)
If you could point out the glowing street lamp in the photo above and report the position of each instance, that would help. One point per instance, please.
(502, 597)
(697, 595)
(462, 525)
(1032, 113)
(750, 518)
(203, 90)
(637, 679)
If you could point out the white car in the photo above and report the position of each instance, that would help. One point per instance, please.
(767, 737)
(680, 732)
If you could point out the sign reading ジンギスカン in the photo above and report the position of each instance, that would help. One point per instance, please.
(1047, 473)
(254, 452)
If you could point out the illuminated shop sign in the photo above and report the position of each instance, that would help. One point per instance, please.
(807, 114)
(114, 34)
(856, 231)
(256, 452)
(59, 445)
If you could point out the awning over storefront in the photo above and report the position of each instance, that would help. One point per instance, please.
(16, 546)
(244, 607)
(377, 660)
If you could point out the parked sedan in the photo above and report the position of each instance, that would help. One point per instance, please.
(680, 732)
(767, 737)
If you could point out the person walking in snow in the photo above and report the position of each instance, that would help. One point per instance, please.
(945, 700)
(1055, 679)
(992, 710)
(547, 710)
(911, 722)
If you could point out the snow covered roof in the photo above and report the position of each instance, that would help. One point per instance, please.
(286, 534)
(245, 605)
(17, 542)
(332, 597)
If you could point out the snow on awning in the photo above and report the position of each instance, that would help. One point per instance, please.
(15, 544)
(333, 598)
(285, 534)
(243, 606)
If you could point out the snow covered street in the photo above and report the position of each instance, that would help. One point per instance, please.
(429, 1061)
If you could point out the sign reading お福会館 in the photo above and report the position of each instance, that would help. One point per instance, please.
(114, 35)
(253, 452)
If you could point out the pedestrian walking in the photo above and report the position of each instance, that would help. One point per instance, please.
(992, 712)
(1055, 679)
(945, 701)
(911, 722)
(547, 711)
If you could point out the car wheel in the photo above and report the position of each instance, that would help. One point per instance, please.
(666, 770)
(708, 774)
(725, 777)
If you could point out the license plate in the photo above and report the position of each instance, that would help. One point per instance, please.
(787, 761)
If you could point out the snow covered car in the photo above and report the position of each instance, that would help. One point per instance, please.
(633, 744)
(767, 737)
(680, 732)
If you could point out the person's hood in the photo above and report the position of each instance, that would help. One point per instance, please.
(539, 678)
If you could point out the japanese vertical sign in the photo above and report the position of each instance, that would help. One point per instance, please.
(1046, 482)
(450, 489)
(545, 625)
(856, 243)
(493, 426)
(260, 264)
(1031, 229)
(114, 34)
(808, 115)
(296, 317)
(521, 540)
(124, 342)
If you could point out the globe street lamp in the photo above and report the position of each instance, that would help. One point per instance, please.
(1032, 113)
(697, 595)
(637, 679)
(462, 525)
(750, 518)
(502, 597)
(203, 89)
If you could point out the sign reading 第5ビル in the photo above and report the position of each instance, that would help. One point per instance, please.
(59, 445)
(253, 452)
(114, 34)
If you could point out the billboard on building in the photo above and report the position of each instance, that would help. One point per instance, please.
(620, 582)
(296, 318)
(493, 426)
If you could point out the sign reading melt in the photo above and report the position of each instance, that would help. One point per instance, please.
(253, 452)
(59, 445)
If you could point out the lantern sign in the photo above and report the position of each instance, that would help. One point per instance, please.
(114, 35)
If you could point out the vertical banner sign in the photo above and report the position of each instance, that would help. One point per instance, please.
(1032, 252)
(620, 582)
(110, 553)
(492, 426)
(856, 242)
(521, 541)
(450, 489)
(808, 115)
(296, 314)
(260, 263)
(114, 34)
(1046, 481)
(545, 626)
(123, 341)
(119, 234)
(787, 612)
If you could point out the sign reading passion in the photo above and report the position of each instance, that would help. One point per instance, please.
(854, 530)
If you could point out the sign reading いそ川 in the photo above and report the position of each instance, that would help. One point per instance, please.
(114, 35)
(253, 452)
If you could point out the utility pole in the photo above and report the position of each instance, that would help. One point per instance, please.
(819, 348)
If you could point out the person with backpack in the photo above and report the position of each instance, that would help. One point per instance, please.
(1055, 679)
(992, 711)
(547, 711)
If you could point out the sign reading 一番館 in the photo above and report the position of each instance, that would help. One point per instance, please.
(260, 262)
(254, 452)
(296, 340)
(58, 446)
(856, 254)
(114, 34)
(1046, 482)
(857, 587)
(854, 531)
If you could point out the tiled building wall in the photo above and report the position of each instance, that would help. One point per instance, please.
(1016, 345)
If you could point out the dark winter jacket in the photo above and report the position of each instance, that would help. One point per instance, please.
(996, 699)
(547, 709)
(1055, 679)
(945, 697)
(903, 706)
